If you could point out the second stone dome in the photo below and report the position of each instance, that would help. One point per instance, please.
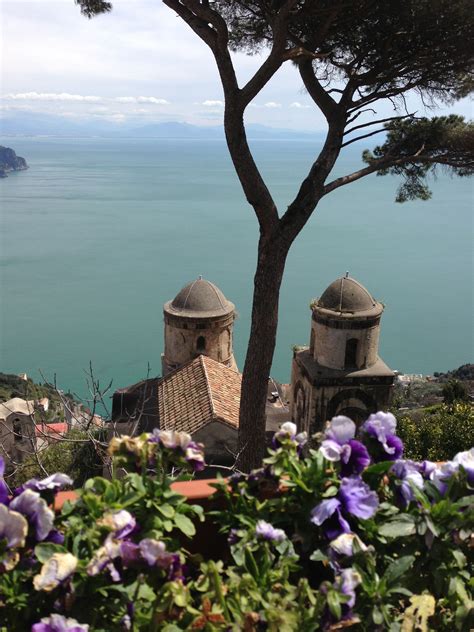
(346, 295)
(200, 299)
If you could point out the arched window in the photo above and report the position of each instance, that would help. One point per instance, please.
(201, 344)
(17, 434)
(350, 361)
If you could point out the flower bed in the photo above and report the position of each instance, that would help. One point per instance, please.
(344, 534)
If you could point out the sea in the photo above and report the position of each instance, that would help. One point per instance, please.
(99, 233)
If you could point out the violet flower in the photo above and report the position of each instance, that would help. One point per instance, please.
(266, 531)
(103, 559)
(381, 427)
(13, 531)
(55, 571)
(346, 543)
(154, 553)
(347, 582)
(53, 483)
(409, 476)
(466, 460)
(121, 523)
(4, 492)
(340, 445)
(354, 498)
(441, 475)
(288, 434)
(35, 508)
(58, 623)
(194, 455)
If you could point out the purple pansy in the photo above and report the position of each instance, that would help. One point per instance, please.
(103, 559)
(121, 523)
(441, 475)
(466, 461)
(58, 623)
(288, 435)
(409, 476)
(355, 498)
(194, 455)
(55, 571)
(382, 427)
(347, 582)
(35, 508)
(339, 445)
(3, 485)
(154, 553)
(13, 531)
(52, 483)
(266, 531)
(347, 544)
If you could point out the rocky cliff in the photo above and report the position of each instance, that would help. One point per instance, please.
(9, 161)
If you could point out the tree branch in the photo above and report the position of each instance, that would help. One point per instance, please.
(323, 100)
(385, 120)
(354, 140)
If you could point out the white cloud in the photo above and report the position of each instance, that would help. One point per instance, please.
(272, 104)
(50, 96)
(153, 100)
(299, 106)
(213, 103)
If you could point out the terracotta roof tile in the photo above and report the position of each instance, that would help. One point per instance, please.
(197, 393)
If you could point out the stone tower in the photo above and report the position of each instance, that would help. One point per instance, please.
(198, 321)
(340, 373)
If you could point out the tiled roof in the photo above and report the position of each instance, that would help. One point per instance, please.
(197, 393)
(51, 429)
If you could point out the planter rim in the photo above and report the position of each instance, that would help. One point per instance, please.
(193, 490)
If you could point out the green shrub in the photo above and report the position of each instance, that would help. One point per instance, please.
(75, 456)
(438, 435)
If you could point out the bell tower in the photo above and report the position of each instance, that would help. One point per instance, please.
(198, 321)
(340, 373)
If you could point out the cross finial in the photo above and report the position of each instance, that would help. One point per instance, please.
(347, 274)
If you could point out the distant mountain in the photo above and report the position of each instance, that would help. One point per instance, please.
(9, 161)
(35, 124)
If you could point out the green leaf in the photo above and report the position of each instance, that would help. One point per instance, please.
(378, 468)
(331, 491)
(398, 568)
(377, 616)
(334, 604)
(184, 524)
(459, 557)
(398, 527)
(46, 550)
(318, 556)
(166, 510)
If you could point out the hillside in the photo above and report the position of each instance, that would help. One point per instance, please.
(9, 161)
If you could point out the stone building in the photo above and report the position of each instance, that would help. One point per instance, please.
(198, 321)
(199, 391)
(340, 373)
(17, 430)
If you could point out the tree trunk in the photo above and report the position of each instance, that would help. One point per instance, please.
(267, 281)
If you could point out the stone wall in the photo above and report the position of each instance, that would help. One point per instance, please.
(187, 338)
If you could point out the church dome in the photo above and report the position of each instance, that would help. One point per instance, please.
(200, 299)
(346, 295)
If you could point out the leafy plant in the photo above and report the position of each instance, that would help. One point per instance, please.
(348, 535)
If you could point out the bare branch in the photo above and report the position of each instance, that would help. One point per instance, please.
(385, 120)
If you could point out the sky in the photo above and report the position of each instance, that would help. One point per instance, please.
(139, 62)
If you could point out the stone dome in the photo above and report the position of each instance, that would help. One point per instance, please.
(200, 299)
(347, 296)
